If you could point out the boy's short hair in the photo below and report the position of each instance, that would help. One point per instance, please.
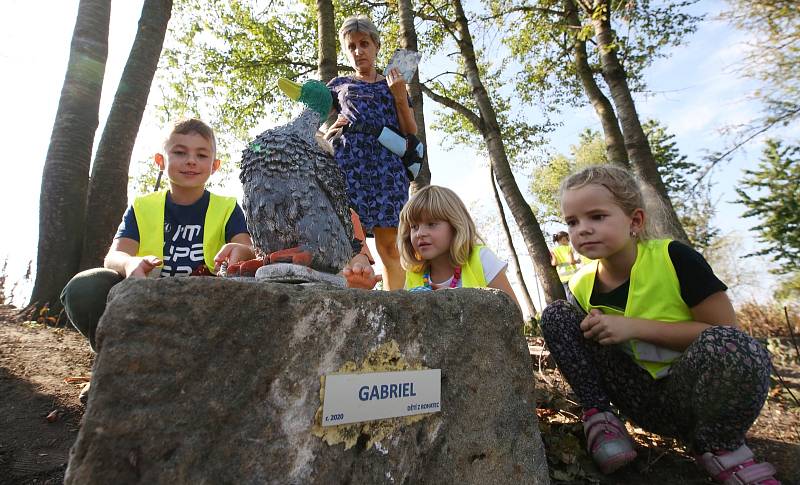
(193, 125)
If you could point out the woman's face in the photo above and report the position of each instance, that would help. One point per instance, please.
(361, 51)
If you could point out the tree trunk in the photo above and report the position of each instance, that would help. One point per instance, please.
(108, 186)
(326, 37)
(531, 232)
(408, 40)
(612, 134)
(636, 143)
(509, 238)
(62, 202)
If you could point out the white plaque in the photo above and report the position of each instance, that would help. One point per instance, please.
(353, 398)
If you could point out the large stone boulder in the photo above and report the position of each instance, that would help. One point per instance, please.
(207, 380)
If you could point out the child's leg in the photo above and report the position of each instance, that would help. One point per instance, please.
(84, 298)
(598, 374)
(723, 377)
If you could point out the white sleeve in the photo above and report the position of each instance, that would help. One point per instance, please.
(492, 265)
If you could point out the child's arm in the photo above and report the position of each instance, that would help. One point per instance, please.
(359, 273)
(716, 309)
(501, 283)
(122, 258)
(553, 261)
(239, 249)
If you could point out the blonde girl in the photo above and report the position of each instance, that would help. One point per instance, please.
(440, 248)
(649, 328)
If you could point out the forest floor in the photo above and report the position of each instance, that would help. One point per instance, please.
(40, 416)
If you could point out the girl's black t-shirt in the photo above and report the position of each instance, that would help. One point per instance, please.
(695, 276)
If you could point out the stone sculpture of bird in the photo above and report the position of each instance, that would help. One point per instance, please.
(295, 197)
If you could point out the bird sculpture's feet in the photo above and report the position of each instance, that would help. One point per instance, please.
(294, 255)
(245, 268)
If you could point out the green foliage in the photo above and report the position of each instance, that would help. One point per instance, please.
(542, 40)
(691, 200)
(789, 288)
(771, 193)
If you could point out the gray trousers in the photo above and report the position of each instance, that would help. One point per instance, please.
(84, 299)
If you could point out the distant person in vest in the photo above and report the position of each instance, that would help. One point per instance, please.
(179, 232)
(440, 248)
(366, 102)
(650, 330)
(562, 257)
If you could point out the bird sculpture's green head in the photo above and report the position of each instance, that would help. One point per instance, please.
(312, 93)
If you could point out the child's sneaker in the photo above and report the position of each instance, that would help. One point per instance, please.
(737, 467)
(607, 440)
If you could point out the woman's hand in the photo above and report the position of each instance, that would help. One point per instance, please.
(607, 329)
(397, 84)
(341, 121)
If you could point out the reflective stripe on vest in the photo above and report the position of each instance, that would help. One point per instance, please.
(654, 294)
(149, 210)
(471, 273)
(564, 267)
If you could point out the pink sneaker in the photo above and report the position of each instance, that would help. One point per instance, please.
(607, 440)
(737, 467)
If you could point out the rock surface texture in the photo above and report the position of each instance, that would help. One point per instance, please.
(206, 380)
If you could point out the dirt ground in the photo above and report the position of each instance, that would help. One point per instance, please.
(35, 360)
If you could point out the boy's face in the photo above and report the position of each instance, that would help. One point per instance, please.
(189, 160)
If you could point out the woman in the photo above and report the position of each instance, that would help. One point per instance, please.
(366, 102)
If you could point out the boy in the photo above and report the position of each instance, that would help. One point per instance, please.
(187, 228)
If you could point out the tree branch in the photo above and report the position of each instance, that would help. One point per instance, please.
(459, 108)
(523, 8)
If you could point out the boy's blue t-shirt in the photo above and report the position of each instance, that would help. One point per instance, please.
(183, 233)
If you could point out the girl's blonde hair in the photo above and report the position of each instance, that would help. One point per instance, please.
(629, 193)
(436, 203)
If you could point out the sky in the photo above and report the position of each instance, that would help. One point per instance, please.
(695, 93)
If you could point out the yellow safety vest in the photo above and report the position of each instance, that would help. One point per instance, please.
(149, 210)
(471, 273)
(563, 266)
(654, 294)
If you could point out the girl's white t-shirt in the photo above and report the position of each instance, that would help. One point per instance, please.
(492, 266)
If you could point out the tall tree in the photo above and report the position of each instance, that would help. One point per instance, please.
(326, 35)
(614, 140)
(771, 193)
(510, 241)
(636, 144)
(485, 122)
(408, 40)
(62, 202)
(107, 197)
(552, 45)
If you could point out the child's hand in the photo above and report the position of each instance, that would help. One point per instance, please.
(140, 267)
(607, 329)
(233, 253)
(359, 273)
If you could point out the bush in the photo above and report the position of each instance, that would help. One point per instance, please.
(763, 320)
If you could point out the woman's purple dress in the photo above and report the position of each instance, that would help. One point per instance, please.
(376, 179)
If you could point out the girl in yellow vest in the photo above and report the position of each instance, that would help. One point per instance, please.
(562, 257)
(440, 248)
(649, 328)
